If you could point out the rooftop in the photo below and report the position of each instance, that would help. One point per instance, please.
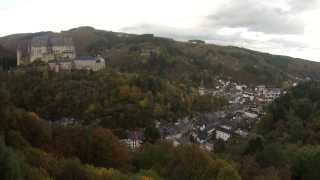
(86, 58)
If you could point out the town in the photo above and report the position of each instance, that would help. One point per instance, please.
(245, 108)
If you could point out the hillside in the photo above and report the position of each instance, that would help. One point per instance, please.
(41, 137)
(294, 118)
(180, 61)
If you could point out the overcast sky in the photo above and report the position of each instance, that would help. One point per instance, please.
(288, 27)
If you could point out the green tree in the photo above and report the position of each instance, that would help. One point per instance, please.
(190, 162)
(228, 173)
(11, 167)
(305, 163)
(103, 149)
(151, 134)
(72, 169)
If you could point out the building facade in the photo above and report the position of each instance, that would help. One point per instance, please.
(89, 63)
(45, 48)
(82, 63)
(60, 65)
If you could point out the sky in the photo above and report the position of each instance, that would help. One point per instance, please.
(286, 27)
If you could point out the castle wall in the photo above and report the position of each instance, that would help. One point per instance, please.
(58, 66)
(23, 53)
(38, 53)
(18, 57)
(92, 64)
(64, 52)
(46, 48)
(50, 53)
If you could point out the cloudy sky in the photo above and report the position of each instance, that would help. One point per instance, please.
(288, 27)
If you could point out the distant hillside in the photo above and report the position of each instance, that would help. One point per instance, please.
(179, 61)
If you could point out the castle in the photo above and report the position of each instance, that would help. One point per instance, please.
(58, 52)
(45, 48)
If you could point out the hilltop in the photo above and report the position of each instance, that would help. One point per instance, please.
(190, 63)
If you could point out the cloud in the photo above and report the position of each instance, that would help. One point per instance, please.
(183, 34)
(257, 16)
(302, 5)
(277, 44)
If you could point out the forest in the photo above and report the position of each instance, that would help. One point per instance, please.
(33, 147)
(283, 145)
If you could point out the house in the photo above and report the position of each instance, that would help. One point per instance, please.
(134, 139)
(241, 87)
(207, 146)
(250, 115)
(89, 63)
(223, 132)
(131, 143)
(202, 91)
(241, 133)
(175, 142)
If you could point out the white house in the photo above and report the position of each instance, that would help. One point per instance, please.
(132, 144)
(224, 135)
(250, 115)
(89, 63)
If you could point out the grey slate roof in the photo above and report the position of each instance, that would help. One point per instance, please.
(86, 58)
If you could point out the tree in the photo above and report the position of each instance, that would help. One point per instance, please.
(103, 149)
(219, 146)
(99, 173)
(10, 164)
(72, 169)
(146, 175)
(248, 167)
(15, 140)
(32, 173)
(255, 144)
(305, 163)
(154, 156)
(190, 162)
(34, 129)
(272, 155)
(151, 134)
(228, 173)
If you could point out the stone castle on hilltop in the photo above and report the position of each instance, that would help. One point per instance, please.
(45, 48)
(58, 52)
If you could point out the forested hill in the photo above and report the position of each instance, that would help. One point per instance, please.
(294, 118)
(285, 142)
(180, 61)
